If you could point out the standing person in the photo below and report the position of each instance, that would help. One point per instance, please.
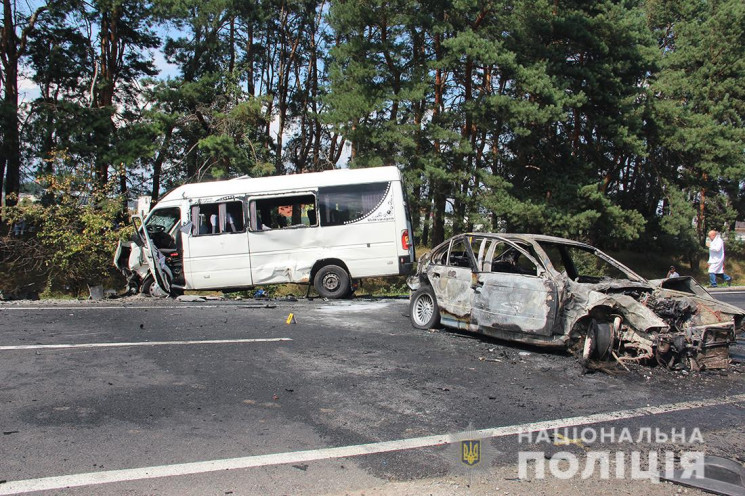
(716, 259)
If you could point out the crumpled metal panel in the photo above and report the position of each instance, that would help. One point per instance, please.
(515, 303)
(453, 288)
(636, 315)
(292, 272)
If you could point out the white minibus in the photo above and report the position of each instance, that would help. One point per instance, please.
(326, 228)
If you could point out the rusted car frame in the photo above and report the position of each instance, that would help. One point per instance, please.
(559, 293)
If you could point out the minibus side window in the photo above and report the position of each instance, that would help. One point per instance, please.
(339, 205)
(283, 212)
(217, 218)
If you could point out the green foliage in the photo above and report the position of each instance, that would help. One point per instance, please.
(675, 224)
(622, 123)
(74, 233)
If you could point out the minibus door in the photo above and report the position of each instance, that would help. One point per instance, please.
(157, 266)
(217, 255)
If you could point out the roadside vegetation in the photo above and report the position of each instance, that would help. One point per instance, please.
(621, 124)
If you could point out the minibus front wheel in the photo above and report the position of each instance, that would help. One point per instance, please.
(149, 288)
(332, 282)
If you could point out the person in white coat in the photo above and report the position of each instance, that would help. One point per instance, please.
(716, 259)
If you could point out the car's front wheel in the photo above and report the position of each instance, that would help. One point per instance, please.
(423, 309)
(149, 288)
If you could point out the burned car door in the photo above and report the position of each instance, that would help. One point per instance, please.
(450, 276)
(513, 296)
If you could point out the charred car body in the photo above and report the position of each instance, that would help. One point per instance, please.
(559, 293)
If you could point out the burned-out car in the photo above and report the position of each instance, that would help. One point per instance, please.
(559, 293)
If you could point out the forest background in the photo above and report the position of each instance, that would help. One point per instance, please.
(616, 122)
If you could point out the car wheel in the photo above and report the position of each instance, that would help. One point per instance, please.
(149, 288)
(332, 282)
(423, 309)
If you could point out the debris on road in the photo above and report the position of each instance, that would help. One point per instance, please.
(190, 299)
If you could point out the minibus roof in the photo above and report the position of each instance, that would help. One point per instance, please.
(252, 185)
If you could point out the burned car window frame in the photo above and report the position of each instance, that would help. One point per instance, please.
(485, 263)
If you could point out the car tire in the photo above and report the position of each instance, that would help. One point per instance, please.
(149, 288)
(147, 285)
(332, 282)
(423, 310)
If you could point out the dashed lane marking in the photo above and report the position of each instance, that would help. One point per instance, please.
(139, 343)
(96, 478)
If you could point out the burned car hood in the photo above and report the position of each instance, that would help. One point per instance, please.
(617, 296)
(677, 299)
(685, 284)
(675, 305)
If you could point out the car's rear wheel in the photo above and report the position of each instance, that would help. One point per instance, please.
(423, 310)
(332, 282)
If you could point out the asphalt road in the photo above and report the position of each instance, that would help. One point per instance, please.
(144, 396)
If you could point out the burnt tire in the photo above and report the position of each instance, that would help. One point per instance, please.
(423, 310)
(332, 282)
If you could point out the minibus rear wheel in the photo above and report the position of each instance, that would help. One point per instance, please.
(332, 282)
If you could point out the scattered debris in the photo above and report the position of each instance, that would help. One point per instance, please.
(96, 292)
(484, 359)
(190, 298)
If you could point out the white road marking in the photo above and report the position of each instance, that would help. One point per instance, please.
(134, 307)
(139, 343)
(134, 474)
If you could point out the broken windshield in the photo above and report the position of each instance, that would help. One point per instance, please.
(163, 220)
